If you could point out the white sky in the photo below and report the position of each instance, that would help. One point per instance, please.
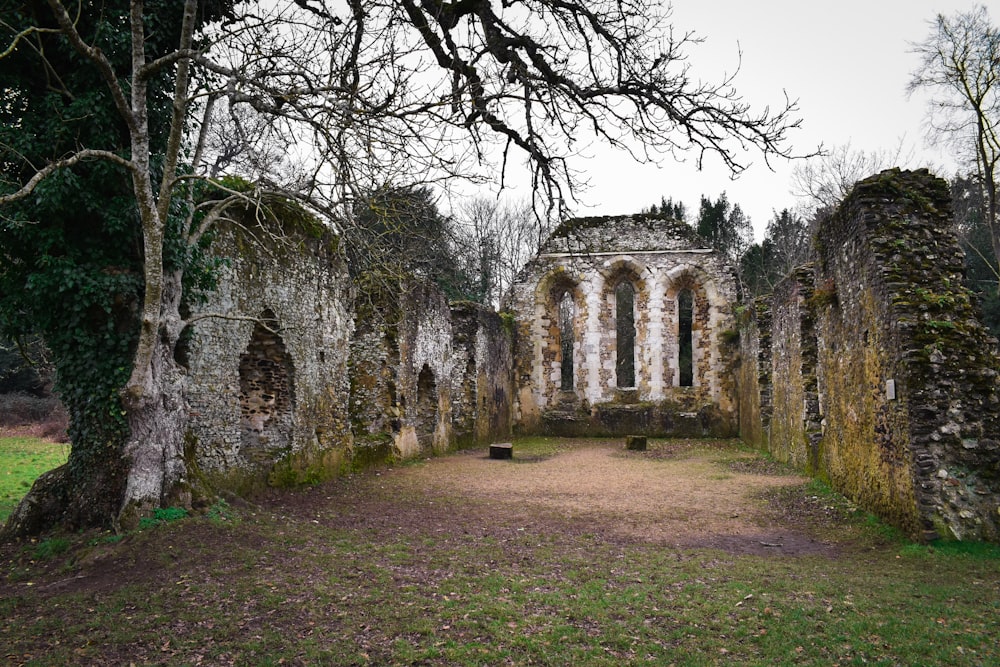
(846, 62)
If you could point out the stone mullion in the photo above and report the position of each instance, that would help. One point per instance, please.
(654, 348)
(592, 339)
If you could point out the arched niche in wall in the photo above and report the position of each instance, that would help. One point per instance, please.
(267, 400)
(426, 416)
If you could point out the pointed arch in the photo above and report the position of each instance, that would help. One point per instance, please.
(558, 301)
(567, 314)
(426, 407)
(625, 299)
(625, 334)
(689, 297)
(685, 338)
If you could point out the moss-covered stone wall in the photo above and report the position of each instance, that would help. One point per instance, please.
(795, 428)
(752, 373)
(427, 376)
(884, 381)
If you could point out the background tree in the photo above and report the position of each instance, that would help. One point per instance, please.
(758, 268)
(822, 181)
(786, 245)
(497, 239)
(727, 229)
(668, 208)
(789, 234)
(960, 64)
(974, 236)
(25, 366)
(107, 112)
(399, 231)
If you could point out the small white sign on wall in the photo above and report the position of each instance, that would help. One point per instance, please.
(890, 389)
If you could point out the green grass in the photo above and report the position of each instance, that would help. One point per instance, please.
(22, 460)
(368, 574)
(343, 597)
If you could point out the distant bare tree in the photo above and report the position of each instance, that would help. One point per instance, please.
(497, 239)
(960, 63)
(822, 182)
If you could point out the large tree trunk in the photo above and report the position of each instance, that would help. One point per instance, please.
(157, 415)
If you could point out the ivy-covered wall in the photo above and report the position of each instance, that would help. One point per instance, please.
(884, 380)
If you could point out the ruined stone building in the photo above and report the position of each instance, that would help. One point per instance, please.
(870, 369)
(621, 324)
(293, 377)
(866, 368)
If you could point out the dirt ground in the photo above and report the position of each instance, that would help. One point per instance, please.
(678, 493)
(217, 584)
(686, 494)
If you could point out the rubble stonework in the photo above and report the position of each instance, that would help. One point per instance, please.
(426, 376)
(905, 375)
(267, 361)
(481, 375)
(587, 259)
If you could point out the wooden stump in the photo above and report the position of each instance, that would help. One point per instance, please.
(502, 450)
(635, 443)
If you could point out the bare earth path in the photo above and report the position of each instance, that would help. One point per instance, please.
(679, 493)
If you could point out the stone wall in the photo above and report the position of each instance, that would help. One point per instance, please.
(426, 376)
(587, 259)
(267, 360)
(754, 386)
(482, 376)
(795, 428)
(884, 380)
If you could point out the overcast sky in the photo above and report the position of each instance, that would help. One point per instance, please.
(846, 62)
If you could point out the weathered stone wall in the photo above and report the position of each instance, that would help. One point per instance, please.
(587, 259)
(905, 375)
(426, 377)
(754, 388)
(267, 360)
(482, 381)
(795, 428)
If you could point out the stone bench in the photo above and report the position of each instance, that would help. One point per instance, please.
(502, 450)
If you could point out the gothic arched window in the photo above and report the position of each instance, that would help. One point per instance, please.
(625, 334)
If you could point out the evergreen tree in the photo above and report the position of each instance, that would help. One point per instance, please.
(399, 231)
(668, 208)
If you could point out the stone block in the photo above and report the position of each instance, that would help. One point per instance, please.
(502, 450)
(635, 443)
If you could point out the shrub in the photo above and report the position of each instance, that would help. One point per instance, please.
(40, 417)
